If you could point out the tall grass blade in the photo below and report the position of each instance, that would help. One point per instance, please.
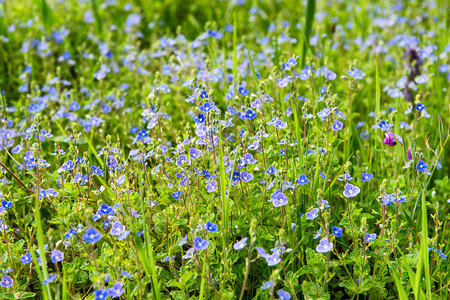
(310, 10)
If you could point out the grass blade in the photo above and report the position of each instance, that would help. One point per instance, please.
(310, 10)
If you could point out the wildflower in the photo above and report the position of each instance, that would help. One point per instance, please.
(26, 258)
(337, 125)
(49, 279)
(318, 233)
(366, 177)
(337, 231)
(116, 291)
(97, 171)
(422, 166)
(194, 153)
(211, 227)
(245, 176)
(283, 295)
(442, 254)
(370, 237)
(302, 180)
(311, 215)
(240, 244)
(92, 235)
(273, 259)
(420, 107)
(390, 139)
(324, 246)
(57, 256)
(278, 199)
(101, 294)
(267, 285)
(200, 244)
(189, 253)
(6, 281)
(351, 190)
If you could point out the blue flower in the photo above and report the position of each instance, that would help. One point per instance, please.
(245, 176)
(67, 166)
(49, 279)
(324, 246)
(351, 190)
(97, 171)
(176, 195)
(26, 258)
(422, 166)
(337, 231)
(250, 114)
(189, 253)
(101, 294)
(200, 244)
(92, 235)
(302, 180)
(211, 227)
(273, 259)
(69, 234)
(120, 180)
(366, 177)
(57, 256)
(370, 237)
(442, 254)
(420, 106)
(240, 244)
(116, 291)
(283, 295)
(337, 125)
(311, 215)
(267, 285)
(6, 281)
(194, 153)
(278, 199)
(6, 204)
(182, 241)
(243, 91)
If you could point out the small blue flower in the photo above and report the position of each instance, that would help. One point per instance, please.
(176, 195)
(366, 177)
(57, 256)
(200, 244)
(243, 91)
(351, 190)
(101, 294)
(245, 176)
(337, 231)
(97, 171)
(6, 281)
(370, 237)
(49, 279)
(116, 291)
(211, 227)
(302, 180)
(324, 246)
(240, 244)
(283, 295)
(92, 236)
(26, 258)
(420, 106)
(273, 259)
(337, 125)
(311, 215)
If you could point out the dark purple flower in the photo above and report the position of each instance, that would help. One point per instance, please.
(390, 139)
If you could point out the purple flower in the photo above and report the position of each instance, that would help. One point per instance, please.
(200, 244)
(183, 160)
(49, 279)
(6, 281)
(240, 244)
(409, 154)
(370, 237)
(267, 285)
(246, 177)
(337, 125)
(324, 246)
(390, 139)
(366, 177)
(351, 190)
(311, 215)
